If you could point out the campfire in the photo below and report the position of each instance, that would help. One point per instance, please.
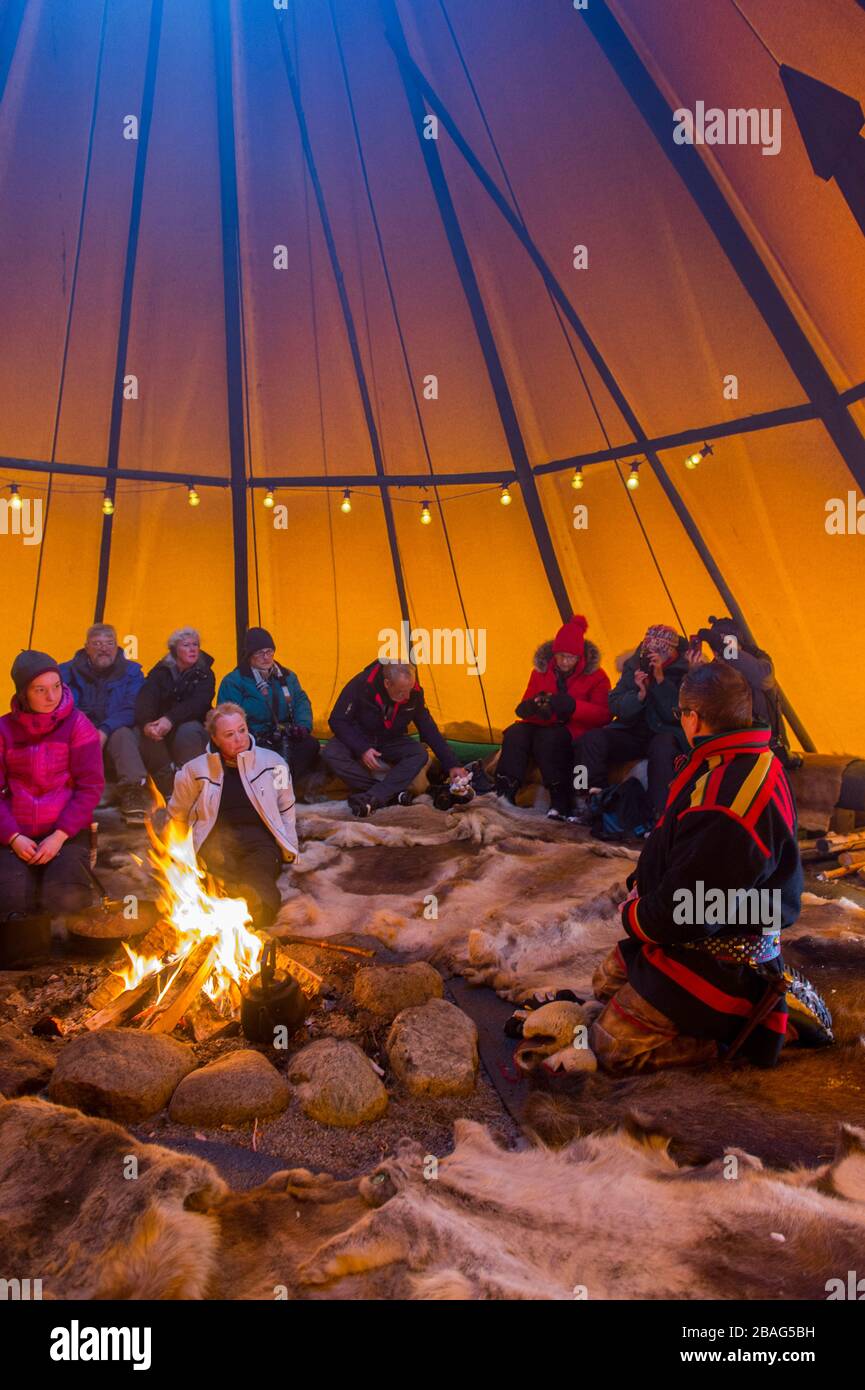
(195, 961)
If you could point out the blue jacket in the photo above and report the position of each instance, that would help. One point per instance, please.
(287, 703)
(109, 700)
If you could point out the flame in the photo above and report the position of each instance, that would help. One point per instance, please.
(190, 902)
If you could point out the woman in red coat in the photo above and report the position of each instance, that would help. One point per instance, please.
(565, 697)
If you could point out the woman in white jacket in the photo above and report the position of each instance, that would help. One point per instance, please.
(238, 801)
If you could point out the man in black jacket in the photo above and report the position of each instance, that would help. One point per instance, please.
(171, 705)
(371, 750)
(645, 726)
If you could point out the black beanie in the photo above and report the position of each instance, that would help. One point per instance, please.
(256, 638)
(28, 665)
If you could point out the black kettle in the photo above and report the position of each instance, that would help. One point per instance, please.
(268, 1002)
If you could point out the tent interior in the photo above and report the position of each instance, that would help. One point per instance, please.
(88, 265)
(332, 270)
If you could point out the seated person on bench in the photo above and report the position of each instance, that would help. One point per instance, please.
(702, 948)
(642, 704)
(565, 697)
(104, 685)
(371, 750)
(51, 779)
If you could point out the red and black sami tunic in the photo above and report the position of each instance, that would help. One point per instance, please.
(729, 824)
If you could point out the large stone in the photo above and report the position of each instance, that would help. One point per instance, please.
(120, 1073)
(337, 1083)
(237, 1088)
(386, 990)
(433, 1048)
(25, 1067)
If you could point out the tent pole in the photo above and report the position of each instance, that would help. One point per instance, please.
(471, 290)
(414, 78)
(113, 452)
(229, 222)
(10, 30)
(348, 318)
(732, 237)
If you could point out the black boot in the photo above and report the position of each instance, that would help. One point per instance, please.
(560, 801)
(581, 809)
(507, 787)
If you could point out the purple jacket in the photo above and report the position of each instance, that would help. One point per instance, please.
(51, 774)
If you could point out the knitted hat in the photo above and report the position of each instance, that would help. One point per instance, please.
(256, 639)
(571, 637)
(28, 665)
(658, 636)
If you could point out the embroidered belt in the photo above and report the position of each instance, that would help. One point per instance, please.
(748, 949)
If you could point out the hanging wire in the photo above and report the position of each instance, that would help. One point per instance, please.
(762, 42)
(405, 354)
(558, 313)
(68, 333)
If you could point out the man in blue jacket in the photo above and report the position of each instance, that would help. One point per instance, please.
(278, 710)
(371, 750)
(104, 684)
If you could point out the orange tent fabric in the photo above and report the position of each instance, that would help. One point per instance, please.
(543, 108)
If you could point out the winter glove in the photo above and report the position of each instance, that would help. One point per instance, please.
(295, 732)
(562, 705)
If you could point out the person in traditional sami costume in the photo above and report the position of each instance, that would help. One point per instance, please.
(717, 882)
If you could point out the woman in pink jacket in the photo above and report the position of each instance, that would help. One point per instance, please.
(566, 695)
(51, 779)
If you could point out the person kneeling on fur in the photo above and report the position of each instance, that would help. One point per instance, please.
(238, 800)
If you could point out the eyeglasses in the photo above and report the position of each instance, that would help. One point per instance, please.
(677, 712)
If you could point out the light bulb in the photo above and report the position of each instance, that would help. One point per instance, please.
(577, 481)
(505, 498)
(193, 498)
(633, 479)
(107, 505)
(268, 498)
(345, 504)
(425, 514)
(15, 500)
(692, 460)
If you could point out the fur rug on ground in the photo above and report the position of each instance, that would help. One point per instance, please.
(463, 888)
(93, 1213)
(605, 1216)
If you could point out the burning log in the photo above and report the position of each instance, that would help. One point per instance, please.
(189, 978)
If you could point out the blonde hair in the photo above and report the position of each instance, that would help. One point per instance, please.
(180, 634)
(213, 716)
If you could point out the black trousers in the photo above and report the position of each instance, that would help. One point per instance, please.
(303, 755)
(404, 758)
(249, 865)
(550, 746)
(56, 889)
(600, 747)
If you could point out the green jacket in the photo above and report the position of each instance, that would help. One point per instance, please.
(286, 702)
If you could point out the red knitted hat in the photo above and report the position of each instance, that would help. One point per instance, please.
(571, 637)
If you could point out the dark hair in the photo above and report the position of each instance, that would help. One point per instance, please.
(719, 694)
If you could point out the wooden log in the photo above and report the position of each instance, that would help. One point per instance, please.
(843, 871)
(205, 1020)
(123, 1005)
(324, 945)
(188, 980)
(159, 942)
(833, 844)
